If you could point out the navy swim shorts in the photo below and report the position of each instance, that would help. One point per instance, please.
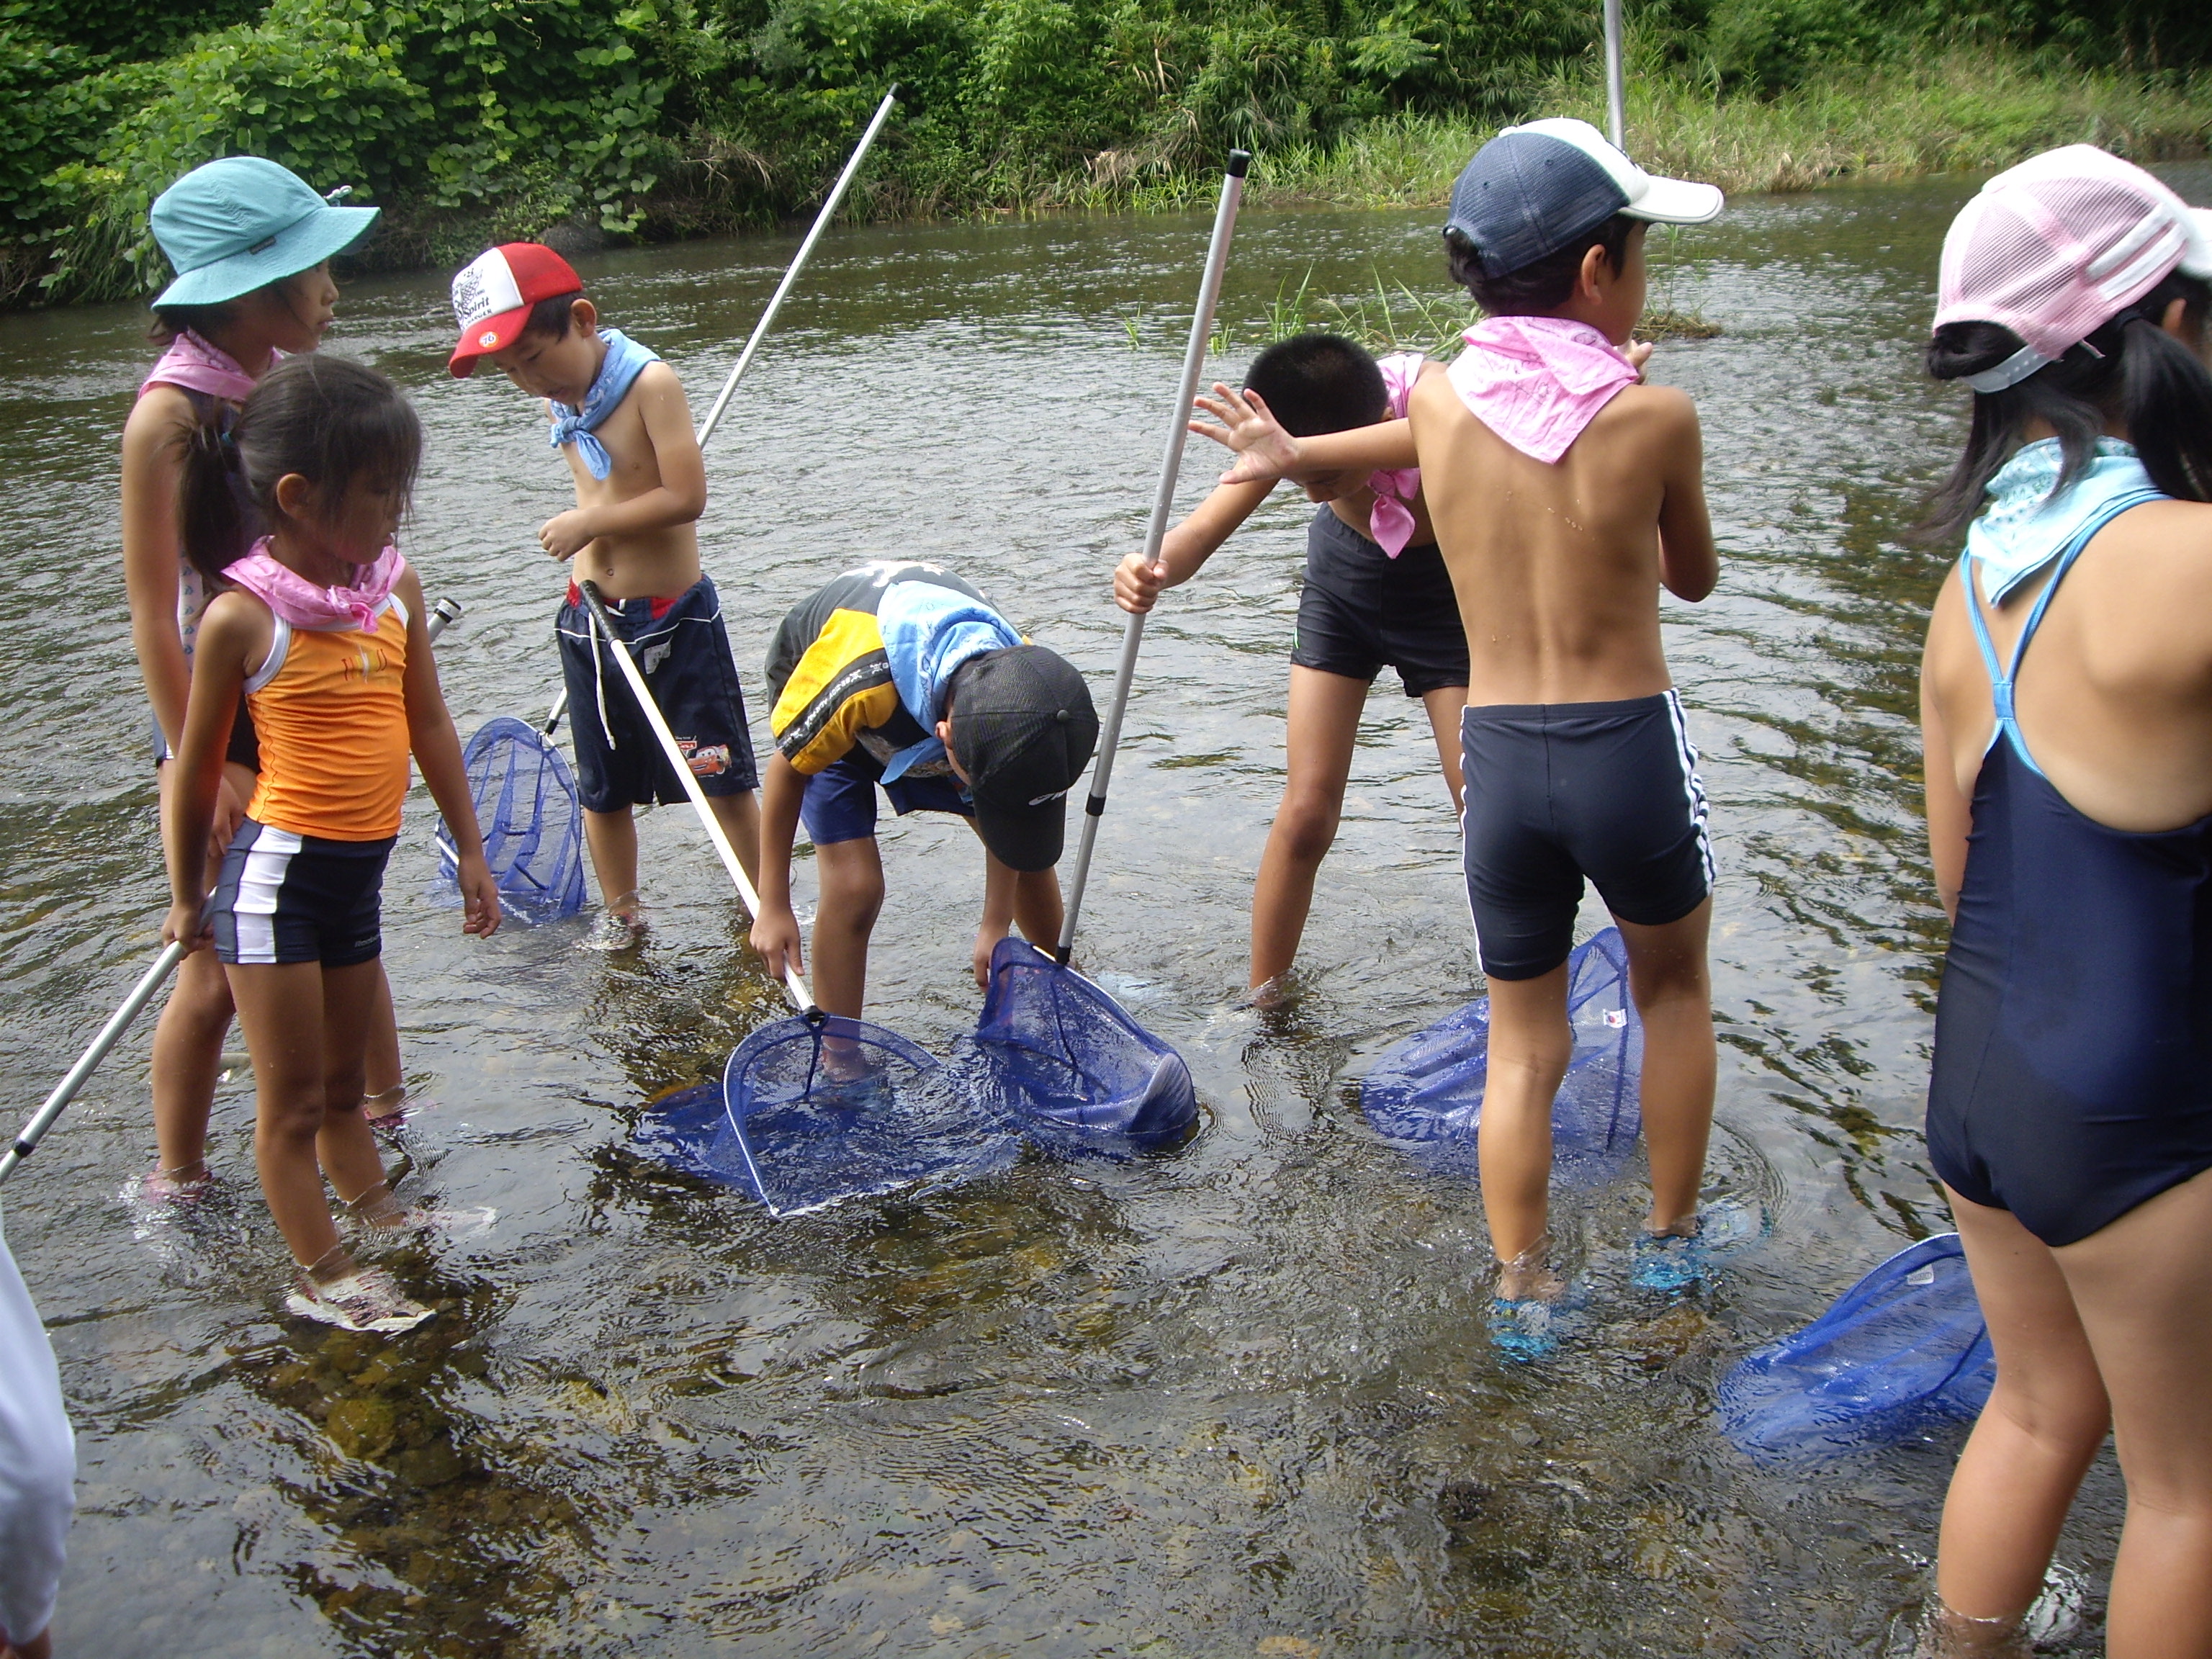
(840, 803)
(684, 650)
(1362, 610)
(1557, 792)
(286, 898)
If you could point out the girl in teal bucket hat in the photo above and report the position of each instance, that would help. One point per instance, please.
(251, 243)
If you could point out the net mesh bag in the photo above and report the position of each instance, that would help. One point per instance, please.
(1058, 1056)
(1426, 1092)
(533, 826)
(831, 1108)
(1903, 1348)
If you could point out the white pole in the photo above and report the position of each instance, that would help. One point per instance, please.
(1616, 89)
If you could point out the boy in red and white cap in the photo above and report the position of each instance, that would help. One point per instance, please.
(619, 415)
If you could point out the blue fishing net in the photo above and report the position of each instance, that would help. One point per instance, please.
(532, 826)
(688, 1129)
(1059, 1056)
(1903, 1348)
(823, 1109)
(1426, 1092)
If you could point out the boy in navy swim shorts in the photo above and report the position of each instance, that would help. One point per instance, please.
(900, 676)
(619, 416)
(1377, 595)
(1565, 493)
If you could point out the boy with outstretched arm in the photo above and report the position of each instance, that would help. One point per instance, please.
(900, 674)
(1564, 494)
(619, 415)
(1376, 592)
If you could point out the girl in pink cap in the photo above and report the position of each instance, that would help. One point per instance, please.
(251, 244)
(2066, 702)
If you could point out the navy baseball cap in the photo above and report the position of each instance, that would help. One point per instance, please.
(1533, 189)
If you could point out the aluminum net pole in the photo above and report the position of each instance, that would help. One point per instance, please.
(1193, 363)
(1616, 89)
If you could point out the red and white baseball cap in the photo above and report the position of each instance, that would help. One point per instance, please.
(2057, 246)
(493, 296)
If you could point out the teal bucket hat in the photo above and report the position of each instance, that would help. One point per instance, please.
(241, 223)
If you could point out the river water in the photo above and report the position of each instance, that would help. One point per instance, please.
(1232, 1401)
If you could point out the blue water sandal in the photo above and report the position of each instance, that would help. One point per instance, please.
(1676, 1262)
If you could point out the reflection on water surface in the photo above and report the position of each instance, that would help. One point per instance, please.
(1232, 1402)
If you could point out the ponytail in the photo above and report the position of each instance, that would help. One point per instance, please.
(2129, 372)
(215, 520)
(329, 420)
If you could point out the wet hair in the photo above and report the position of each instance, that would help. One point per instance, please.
(333, 422)
(554, 317)
(2129, 371)
(1542, 286)
(1317, 383)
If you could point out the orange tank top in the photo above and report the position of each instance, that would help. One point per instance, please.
(330, 712)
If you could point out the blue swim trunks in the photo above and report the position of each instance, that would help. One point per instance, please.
(840, 803)
(683, 651)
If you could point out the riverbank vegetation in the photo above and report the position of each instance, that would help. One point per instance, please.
(472, 119)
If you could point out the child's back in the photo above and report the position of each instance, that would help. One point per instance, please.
(1556, 566)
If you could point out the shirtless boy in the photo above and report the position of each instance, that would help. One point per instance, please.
(619, 416)
(1564, 494)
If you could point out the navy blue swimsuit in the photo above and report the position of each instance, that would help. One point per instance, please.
(2073, 1070)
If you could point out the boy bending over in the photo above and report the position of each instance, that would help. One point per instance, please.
(619, 416)
(903, 675)
(1564, 493)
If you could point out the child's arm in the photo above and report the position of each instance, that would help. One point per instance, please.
(437, 749)
(1688, 564)
(1266, 451)
(681, 496)
(157, 424)
(1950, 812)
(775, 929)
(1187, 546)
(233, 631)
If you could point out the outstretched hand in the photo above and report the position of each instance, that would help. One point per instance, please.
(1264, 451)
(479, 897)
(776, 936)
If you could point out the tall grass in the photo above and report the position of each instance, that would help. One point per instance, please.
(1960, 111)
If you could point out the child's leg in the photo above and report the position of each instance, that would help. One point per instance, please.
(612, 838)
(1038, 910)
(382, 1078)
(1445, 705)
(851, 874)
(739, 817)
(1323, 724)
(1674, 999)
(2143, 1286)
(187, 1056)
(1029, 899)
(1530, 1043)
(291, 1011)
(2045, 1419)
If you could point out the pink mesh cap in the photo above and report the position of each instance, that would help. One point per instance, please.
(2059, 245)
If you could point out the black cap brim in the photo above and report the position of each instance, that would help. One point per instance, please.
(1024, 837)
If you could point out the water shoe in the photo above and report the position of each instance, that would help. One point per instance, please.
(365, 1299)
(1676, 1262)
(1527, 1330)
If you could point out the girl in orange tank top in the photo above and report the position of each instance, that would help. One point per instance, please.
(320, 624)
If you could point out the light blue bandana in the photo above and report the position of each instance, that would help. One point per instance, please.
(624, 362)
(2026, 526)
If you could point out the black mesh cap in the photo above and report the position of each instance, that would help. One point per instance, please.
(1023, 730)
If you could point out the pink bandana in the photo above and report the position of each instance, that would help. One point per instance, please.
(194, 364)
(322, 609)
(1390, 524)
(1538, 381)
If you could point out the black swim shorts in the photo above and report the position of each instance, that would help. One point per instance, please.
(684, 650)
(1362, 610)
(1556, 791)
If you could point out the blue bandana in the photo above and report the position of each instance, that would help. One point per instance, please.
(625, 360)
(2026, 525)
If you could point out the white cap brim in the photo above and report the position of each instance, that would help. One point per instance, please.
(1676, 201)
(2196, 236)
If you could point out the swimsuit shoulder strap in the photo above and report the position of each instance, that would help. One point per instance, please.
(2002, 679)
